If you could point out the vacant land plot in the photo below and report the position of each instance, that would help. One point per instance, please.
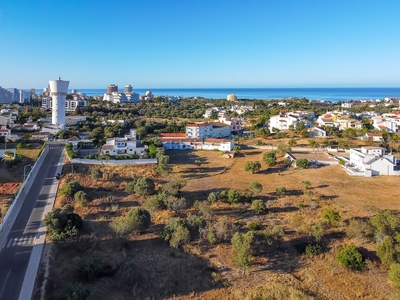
(201, 270)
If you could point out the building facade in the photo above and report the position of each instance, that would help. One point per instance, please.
(231, 97)
(198, 130)
(5, 96)
(112, 88)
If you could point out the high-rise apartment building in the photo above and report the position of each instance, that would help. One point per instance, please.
(112, 88)
(5, 96)
(128, 89)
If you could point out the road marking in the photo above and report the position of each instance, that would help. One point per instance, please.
(17, 230)
(23, 252)
(2, 290)
(21, 241)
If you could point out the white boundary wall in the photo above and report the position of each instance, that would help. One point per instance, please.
(113, 161)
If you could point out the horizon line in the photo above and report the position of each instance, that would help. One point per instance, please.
(192, 88)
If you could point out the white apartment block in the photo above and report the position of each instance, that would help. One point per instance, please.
(198, 130)
(70, 105)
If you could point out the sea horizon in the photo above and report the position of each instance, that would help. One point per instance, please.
(325, 94)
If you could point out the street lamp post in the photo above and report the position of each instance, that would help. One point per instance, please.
(25, 171)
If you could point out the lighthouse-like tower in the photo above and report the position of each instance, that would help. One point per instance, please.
(58, 93)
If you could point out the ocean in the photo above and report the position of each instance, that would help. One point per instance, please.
(329, 94)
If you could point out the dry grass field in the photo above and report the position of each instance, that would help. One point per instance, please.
(204, 271)
(11, 178)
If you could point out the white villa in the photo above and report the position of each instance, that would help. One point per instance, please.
(389, 124)
(372, 137)
(316, 132)
(374, 161)
(124, 146)
(283, 121)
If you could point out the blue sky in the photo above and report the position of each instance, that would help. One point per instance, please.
(207, 43)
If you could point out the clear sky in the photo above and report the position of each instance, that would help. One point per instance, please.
(200, 43)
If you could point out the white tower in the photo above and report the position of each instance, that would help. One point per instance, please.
(58, 93)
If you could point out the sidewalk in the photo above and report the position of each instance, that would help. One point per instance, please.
(34, 261)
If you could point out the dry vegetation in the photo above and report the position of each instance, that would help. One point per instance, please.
(204, 271)
(11, 178)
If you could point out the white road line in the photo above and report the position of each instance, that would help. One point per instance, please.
(2, 290)
(22, 252)
(9, 243)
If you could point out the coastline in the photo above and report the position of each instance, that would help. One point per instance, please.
(325, 94)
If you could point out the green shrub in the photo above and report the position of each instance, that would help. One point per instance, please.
(62, 223)
(313, 249)
(144, 186)
(175, 233)
(211, 238)
(136, 220)
(90, 268)
(130, 187)
(385, 223)
(212, 197)
(388, 251)
(281, 191)
(258, 206)
(394, 274)
(350, 257)
(71, 154)
(331, 216)
(242, 249)
(70, 188)
(234, 196)
(317, 231)
(302, 163)
(9, 154)
(255, 187)
(81, 198)
(270, 158)
(272, 233)
(253, 226)
(252, 166)
(153, 203)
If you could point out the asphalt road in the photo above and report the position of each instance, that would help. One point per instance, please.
(15, 255)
